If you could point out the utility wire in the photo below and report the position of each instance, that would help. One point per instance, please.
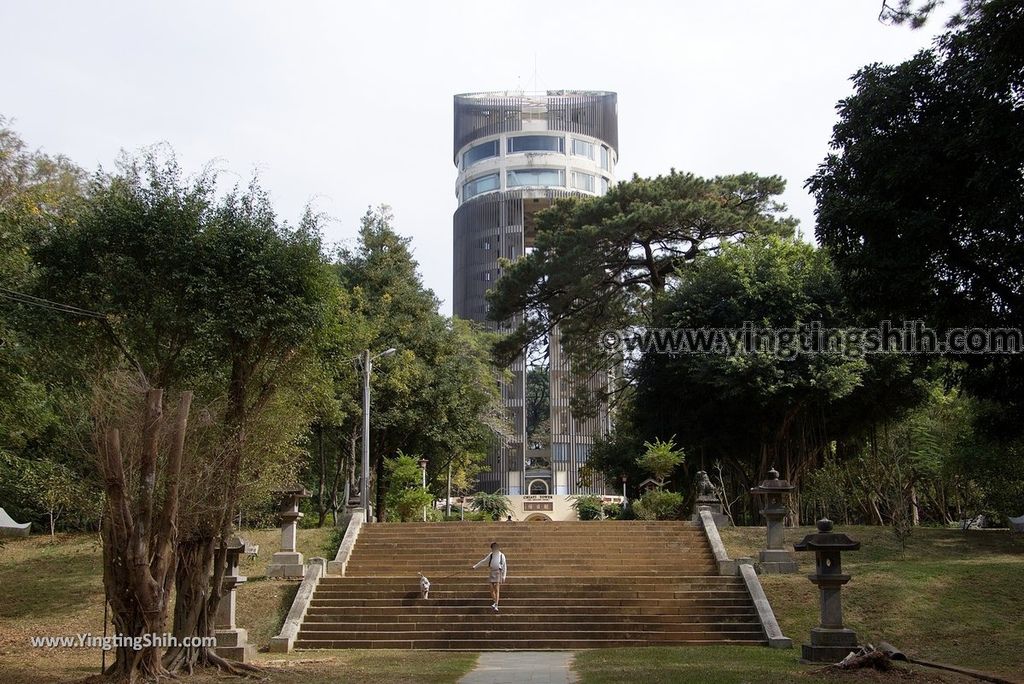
(32, 300)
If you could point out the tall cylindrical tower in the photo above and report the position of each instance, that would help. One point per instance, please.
(516, 153)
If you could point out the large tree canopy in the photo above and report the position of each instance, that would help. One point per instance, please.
(204, 293)
(437, 397)
(597, 262)
(600, 263)
(40, 476)
(922, 202)
(754, 409)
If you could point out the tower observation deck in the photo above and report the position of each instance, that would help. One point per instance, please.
(517, 152)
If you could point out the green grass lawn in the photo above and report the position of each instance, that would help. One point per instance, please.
(681, 665)
(953, 596)
(56, 588)
(725, 665)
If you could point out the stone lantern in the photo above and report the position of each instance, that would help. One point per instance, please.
(232, 641)
(288, 562)
(830, 641)
(775, 557)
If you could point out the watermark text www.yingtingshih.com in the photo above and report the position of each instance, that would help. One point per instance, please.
(910, 337)
(110, 642)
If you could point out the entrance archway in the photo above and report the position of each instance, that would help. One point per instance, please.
(537, 517)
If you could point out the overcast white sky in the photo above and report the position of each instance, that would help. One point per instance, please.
(347, 105)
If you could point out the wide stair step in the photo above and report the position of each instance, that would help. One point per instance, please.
(571, 586)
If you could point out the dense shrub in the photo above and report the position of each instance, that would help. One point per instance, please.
(405, 497)
(496, 506)
(588, 507)
(471, 516)
(658, 504)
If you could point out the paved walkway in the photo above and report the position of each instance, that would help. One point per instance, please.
(522, 667)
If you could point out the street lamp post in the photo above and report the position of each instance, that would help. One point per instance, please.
(367, 362)
(448, 493)
(423, 471)
(624, 478)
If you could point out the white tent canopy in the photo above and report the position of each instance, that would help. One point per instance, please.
(9, 528)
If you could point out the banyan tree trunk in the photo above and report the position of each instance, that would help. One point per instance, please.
(130, 623)
(138, 536)
(191, 616)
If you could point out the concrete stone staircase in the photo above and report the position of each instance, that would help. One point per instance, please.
(571, 585)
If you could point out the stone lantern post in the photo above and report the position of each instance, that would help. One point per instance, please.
(288, 561)
(232, 641)
(775, 557)
(830, 641)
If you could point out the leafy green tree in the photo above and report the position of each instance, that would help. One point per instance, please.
(931, 465)
(920, 202)
(912, 12)
(45, 488)
(35, 434)
(463, 468)
(438, 395)
(208, 294)
(752, 410)
(600, 263)
(406, 496)
(538, 404)
(269, 309)
(660, 459)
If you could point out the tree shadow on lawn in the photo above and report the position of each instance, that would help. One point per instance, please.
(263, 604)
(964, 613)
(51, 583)
(932, 543)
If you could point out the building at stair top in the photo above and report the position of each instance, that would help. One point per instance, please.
(516, 153)
(549, 507)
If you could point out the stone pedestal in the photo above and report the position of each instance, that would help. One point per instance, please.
(830, 641)
(773, 561)
(775, 557)
(232, 640)
(828, 645)
(288, 562)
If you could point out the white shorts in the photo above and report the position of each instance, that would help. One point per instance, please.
(495, 577)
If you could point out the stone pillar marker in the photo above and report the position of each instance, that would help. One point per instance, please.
(232, 641)
(775, 557)
(830, 641)
(287, 562)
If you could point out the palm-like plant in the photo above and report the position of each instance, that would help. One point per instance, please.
(495, 505)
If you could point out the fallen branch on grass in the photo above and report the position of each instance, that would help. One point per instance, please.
(883, 659)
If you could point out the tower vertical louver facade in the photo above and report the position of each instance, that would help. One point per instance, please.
(516, 153)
